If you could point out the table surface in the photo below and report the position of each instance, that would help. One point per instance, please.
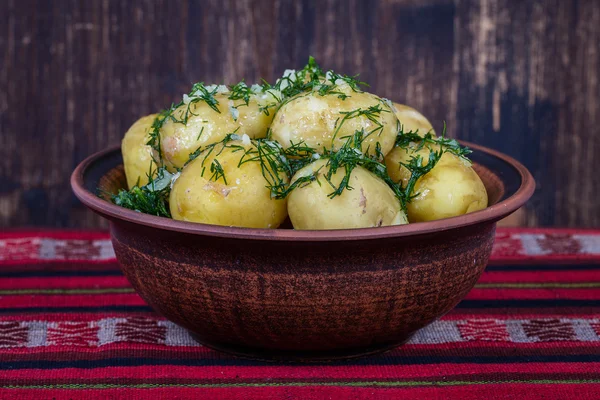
(72, 327)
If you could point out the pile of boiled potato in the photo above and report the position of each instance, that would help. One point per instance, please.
(335, 158)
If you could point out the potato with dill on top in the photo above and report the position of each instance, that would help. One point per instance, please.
(253, 108)
(226, 185)
(370, 202)
(208, 115)
(137, 154)
(412, 120)
(324, 118)
(449, 189)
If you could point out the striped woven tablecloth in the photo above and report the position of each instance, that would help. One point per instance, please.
(72, 327)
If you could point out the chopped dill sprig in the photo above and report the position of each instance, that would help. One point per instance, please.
(274, 165)
(437, 146)
(300, 155)
(313, 78)
(416, 142)
(200, 133)
(312, 69)
(217, 171)
(207, 150)
(334, 80)
(417, 170)
(215, 149)
(152, 198)
(198, 93)
(154, 134)
(264, 108)
(295, 82)
(371, 113)
(350, 156)
(240, 91)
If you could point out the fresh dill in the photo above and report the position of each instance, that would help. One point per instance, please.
(350, 156)
(313, 78)
(198, 93)
(300, 155)
(217, 171)
(151, 198)
(200, 133)
(416, 142)
(240, 91)
(215, 150)
(372, 113)
(417, 169)
(437, 146)
(351, 81)
(333, 81)
(207, 150)
(265, 108)
(154, 134)
(274, 165)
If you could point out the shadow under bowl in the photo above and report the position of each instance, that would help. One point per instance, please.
(303, 295)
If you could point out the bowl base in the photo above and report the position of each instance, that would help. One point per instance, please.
(324, 356)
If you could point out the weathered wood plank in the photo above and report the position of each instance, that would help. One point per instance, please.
(528, 85)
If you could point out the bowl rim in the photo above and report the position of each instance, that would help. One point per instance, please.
(488, 214)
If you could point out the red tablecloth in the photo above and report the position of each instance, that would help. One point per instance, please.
(72, 327)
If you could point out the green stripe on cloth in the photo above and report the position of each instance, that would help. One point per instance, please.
(540, 285)
(12, 292)
(299, 384)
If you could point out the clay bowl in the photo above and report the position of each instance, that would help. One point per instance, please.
(303, 295)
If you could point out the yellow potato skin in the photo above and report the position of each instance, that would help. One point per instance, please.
(313, 119)
(412, 120)
(137, 155)
(251, 119)
(370, 203)
(450, 189)
(179, 140)
(243, 201)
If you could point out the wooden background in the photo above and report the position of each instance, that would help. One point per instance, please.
(521, 76)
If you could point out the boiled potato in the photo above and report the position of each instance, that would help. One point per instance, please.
(237, 198)
(412, 120)
(206, 126)
(450, 189)
(137, 155)
(370, 203)
(319, 122)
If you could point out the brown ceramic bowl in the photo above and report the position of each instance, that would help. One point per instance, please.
(303, 295)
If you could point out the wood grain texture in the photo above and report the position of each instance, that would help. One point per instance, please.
(519, 76)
